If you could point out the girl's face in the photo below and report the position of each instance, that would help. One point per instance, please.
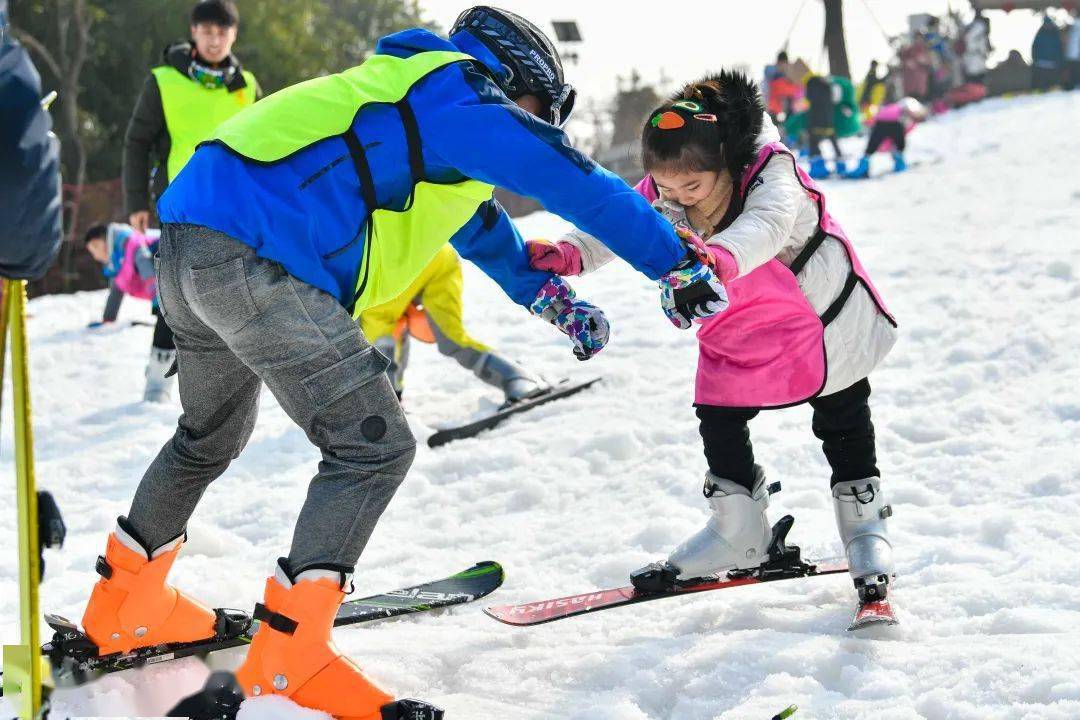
(97, 250)
(687, 188)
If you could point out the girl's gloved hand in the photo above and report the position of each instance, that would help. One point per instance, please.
(582, 322)
(561, 258)
(691, 291)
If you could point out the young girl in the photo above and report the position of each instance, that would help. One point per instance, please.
(804, 322)
(891, 125)
(127, 259)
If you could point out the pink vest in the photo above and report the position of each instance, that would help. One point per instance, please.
(767, 350)
(128, 279)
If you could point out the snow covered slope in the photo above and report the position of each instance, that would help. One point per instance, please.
(978, 420)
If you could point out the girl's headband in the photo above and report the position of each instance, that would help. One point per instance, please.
(672, 120)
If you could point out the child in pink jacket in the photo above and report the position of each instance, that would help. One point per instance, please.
(889, 132)
(804, 323)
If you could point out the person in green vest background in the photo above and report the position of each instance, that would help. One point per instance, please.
(198, 85)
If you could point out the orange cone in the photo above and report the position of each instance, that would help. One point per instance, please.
(293, 655)
(133, 607)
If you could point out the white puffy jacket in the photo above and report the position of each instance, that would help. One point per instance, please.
(778, 218)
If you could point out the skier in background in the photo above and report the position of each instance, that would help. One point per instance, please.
(1047, 55)
(198, 85)
(916, 66)
(127, 260)
(890, 127)
(783, 92)
(976, 41)
(873, 88)
(821, 126)
(340, 191)
(847, 120)
(942, 65)
(804, 324)
(1072, 53)
(430, 310)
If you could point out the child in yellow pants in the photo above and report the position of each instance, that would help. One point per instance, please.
(430, 310)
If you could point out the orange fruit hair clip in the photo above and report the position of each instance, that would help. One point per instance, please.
(668, 120)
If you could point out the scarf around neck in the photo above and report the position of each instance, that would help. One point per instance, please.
(706, 216)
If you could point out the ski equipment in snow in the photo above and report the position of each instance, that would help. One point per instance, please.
(468, 430)
(869, 614)
(75, 660)
(784, 563)
(22, 663)
(222, 696)
(220, 699)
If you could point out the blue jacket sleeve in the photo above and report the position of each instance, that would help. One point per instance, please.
(30, 231)
(496, 247)
(471, 126)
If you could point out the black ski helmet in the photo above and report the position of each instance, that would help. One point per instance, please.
(531, 64)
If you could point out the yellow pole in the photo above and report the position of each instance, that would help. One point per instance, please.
(24, 661)
(3, 336)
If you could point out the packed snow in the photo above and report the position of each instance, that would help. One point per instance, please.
(977, 252)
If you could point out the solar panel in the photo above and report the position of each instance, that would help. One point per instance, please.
(566, 30)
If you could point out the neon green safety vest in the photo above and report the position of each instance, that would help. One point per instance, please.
(193, 111)
(399, 242)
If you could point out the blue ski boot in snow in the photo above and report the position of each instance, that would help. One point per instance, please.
(841, 167)
(899, 164)
(860, 171)
(818, 169)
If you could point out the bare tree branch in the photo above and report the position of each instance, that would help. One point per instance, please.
(43, 52)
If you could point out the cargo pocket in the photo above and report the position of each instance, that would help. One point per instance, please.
(343, 377)
(223, 296)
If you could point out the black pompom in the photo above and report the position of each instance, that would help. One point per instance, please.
(739, 111)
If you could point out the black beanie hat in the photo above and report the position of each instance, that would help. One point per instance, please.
(218, 12)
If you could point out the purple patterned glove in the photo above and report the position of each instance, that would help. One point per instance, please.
(583, 322)
(691, 291)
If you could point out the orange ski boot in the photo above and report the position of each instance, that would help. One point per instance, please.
(132, 606)
(292, 654)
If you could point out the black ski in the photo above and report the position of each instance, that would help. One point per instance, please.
(460, 432)
(75, 660)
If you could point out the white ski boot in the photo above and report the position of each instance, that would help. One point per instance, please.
(158, 387)
(736, 537)
(861, 512)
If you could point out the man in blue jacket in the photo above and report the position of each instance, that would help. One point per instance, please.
(30, 231)
(1047, 55)
(340, 191)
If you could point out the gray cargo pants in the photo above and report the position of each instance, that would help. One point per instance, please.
(240, 321)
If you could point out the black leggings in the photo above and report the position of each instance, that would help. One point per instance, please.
(886, 129)
(841, 422)
(163, 334)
